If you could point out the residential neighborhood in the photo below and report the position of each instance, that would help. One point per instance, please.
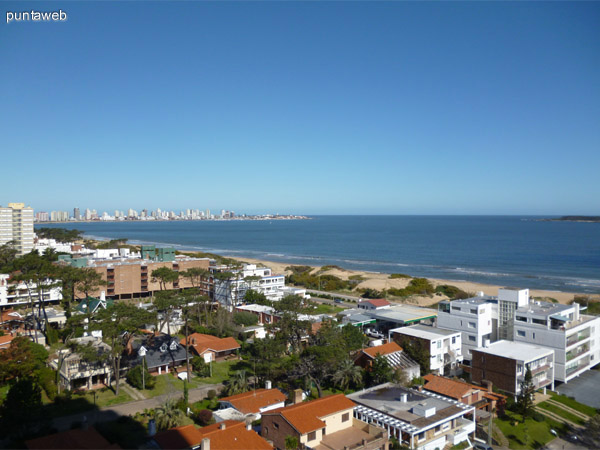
(224, 355)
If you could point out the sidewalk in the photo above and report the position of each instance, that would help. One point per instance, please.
(109, 413)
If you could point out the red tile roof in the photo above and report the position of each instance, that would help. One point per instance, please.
(385, 349)
(251, 402)
(234, 436)
(202, 343)
(306, 416)
(6, 340)
(447, 387)
(70, 440)
(377, 302)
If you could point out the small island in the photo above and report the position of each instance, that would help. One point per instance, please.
(574, 219)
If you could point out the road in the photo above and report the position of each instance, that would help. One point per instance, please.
(109, 413)
(332, 294)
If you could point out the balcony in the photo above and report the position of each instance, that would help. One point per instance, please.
(359, 436)
(460, 434)
(582, 364)
(578, 351)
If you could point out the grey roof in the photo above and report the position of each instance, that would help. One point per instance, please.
(155, 355)
(519, 351)
(545, 309)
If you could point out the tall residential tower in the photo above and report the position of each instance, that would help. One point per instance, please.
(16, 224)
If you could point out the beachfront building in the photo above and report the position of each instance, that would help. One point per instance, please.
(574, 337)
(16, 227)
(230, 291)
(419, 420)
(129, 278)
(322, 424)
(505, 364)
(473, 318)
(444, 347)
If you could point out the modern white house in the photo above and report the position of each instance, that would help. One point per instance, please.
(444, 346)
(231, 292)
(473, 318)
(574, 337)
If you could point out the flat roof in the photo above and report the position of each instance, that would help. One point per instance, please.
(424, 331)
(519, 351)
(545, 309)
(401, 313)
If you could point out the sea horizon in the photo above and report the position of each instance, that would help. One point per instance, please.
(497, 250)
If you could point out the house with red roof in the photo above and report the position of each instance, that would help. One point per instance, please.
(5, 341)
(323, 424)
(228, 435)
(253, 403)
(212, 348)
(373, 304)
(394, 355)
(470, 394)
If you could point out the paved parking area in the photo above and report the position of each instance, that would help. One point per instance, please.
(584, 388)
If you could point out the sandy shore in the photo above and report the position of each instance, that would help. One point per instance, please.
(380, 281)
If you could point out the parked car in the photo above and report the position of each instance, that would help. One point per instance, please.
(374, 333)
(481, 446)
(338, 300)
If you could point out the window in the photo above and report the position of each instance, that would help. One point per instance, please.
(472, 325)
(474, 311)
(345, 417)
(421, 436)
(276, 425)
(472, 338)
(437, 429)
(521, 318)
(312, 435)
(439, 344)
(454, 339)
(521, 333)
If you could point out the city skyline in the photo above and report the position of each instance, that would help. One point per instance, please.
(305, 108)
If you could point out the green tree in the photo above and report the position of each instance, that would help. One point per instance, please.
(290, 326)
(526, 394)
(118, 323)
(291, 443)
(381, 371)
(237, 384)
(255, 297)
(245, 318)
(347, 374)
(8, 254)
(89, 281)
(21, 411)
(168, 416)
(164, 275)
(140, 378)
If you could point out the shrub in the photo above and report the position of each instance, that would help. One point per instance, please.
(399, 275)
(212, 394)
(46, 379)
(452, 292)
(204, 417)
(200, 367)
(538, 417)
(134, 378)
(245, 318)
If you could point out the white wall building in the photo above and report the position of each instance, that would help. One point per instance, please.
(473, 317)
(445, 346)
(18, 293)
(231, 292)
(16, 224)
(574, 337)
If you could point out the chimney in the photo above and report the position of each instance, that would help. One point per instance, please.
(222, 426)
(420, 388)
(490, 386)
(364, 442)
(249, 426)
(403, 397)
(297, 396)
(205, 444)
(268, 384)
(102, 295)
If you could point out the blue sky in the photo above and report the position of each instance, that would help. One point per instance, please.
(302, 107)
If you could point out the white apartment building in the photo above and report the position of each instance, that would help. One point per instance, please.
(231, 292)
(574, 337)
(445, 346)
(16, 224)
(509, 300)
(473, 318)
(18, 293)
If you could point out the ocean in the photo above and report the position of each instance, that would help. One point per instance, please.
(505, 250)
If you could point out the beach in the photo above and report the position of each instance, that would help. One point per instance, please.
(380, 281)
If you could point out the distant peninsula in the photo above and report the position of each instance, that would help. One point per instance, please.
(574, 219)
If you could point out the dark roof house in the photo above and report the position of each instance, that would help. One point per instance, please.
(160, 352)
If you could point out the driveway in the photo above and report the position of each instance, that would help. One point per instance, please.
(584, 388)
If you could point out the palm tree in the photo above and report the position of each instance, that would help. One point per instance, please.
(348, 373)
(238, 383)
(168, 415)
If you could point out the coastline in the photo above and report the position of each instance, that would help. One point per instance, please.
(380, 280)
